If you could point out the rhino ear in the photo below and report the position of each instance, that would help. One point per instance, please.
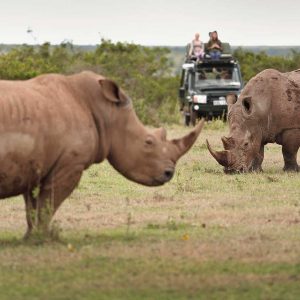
(112, 92)
(248, 105)
(231, 99)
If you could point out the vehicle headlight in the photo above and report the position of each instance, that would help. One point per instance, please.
(196, 107)
(202, 99)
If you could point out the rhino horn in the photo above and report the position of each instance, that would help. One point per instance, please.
(222, 157)
(185, 143)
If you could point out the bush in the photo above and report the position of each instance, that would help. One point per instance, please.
(252, 63)
(143, 72)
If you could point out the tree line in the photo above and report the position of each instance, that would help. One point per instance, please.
(145, 73)
(253, 63)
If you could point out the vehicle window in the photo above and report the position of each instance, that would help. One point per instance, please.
(212, 77)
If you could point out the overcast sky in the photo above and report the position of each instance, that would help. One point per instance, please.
(150, 22)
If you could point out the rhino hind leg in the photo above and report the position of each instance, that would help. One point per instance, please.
(290, 146)
(290, 160)
(52, 192)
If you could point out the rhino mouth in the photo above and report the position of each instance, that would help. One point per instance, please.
(242, 169)
(232, 171)
(165, 177)
(157, 182)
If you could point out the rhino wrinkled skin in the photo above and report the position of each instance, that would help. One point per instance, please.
(53, 127)
(267, 111)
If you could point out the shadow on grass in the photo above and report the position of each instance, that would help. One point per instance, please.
(34, 240)
(10, 240)
(171, 230)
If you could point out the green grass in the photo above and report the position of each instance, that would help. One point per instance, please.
(205, 235)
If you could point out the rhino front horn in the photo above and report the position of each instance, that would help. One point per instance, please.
(186, 142)
(222, 157)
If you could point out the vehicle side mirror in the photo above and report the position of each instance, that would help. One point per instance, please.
(181, 92)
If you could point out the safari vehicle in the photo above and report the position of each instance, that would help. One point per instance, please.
(206, 83)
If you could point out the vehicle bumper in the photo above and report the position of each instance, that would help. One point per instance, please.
(210, 109)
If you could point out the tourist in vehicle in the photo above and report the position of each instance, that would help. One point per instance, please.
(202, 75)
(196, 48)
(226, 74)
(214, 46)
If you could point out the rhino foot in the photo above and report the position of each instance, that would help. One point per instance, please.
(291, 168)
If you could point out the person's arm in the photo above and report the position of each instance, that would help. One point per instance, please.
(191, 48)
(209, 45)
(202, 46)
(220, 46)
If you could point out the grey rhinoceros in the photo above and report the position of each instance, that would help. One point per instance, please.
(267, 111)
(53, 127)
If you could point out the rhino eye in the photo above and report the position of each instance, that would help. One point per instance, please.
(149, 141)
(247, 104)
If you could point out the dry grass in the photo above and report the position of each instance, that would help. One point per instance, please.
(224, 235)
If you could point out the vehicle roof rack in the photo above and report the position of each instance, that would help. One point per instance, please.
(224, 59)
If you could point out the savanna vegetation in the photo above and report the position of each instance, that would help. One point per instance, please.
(253, 63)
(144, 72)
(148, 74)
(204, 235)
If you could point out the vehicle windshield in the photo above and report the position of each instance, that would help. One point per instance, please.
(225, 76)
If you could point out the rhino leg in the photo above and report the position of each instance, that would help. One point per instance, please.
(56, 187)
(257, 166)
(30, 205)
(290, 146)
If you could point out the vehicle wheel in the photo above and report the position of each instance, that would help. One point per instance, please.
(187, 120)
(194, 116)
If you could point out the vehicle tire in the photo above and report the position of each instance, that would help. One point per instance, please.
(187, 120)
(194, 116)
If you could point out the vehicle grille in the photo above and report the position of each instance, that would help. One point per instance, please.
(211, 98)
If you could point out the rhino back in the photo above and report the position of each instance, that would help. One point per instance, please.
(40, 120)
(276, 97)
(286, 101)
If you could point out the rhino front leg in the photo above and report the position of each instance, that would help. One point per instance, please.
(257, 165)
(290, 146)
(31, 213)
(57, 186)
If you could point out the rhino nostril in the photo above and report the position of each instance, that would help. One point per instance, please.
(169, 173)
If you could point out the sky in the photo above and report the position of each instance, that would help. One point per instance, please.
(150, 22)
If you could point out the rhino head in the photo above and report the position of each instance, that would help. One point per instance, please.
(250, 123)
(142, 155)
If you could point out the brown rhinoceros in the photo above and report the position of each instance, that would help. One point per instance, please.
(267, 111)
(53, 127)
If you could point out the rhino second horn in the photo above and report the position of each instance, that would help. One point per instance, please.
(185, 143)
(227, 142)
(222, 157)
